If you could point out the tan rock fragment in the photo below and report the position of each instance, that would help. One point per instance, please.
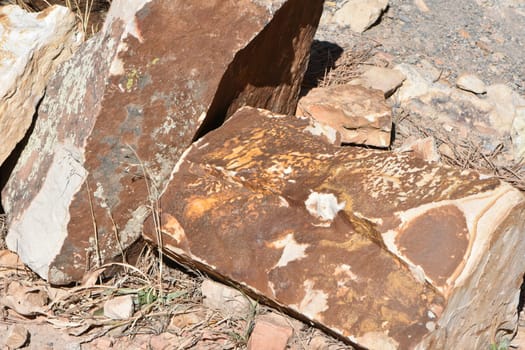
(472, 83)
(360, 15)
(17, 337)
(119, 308)
(381, 78)
(229, 301)
(359, 114)
(421, 5)
(32, 45)
(268, 335)
(384, 249)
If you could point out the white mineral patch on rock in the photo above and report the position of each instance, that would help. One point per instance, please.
(323, 205)
(292, 250)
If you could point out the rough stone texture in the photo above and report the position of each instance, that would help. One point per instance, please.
(488, 122)
(359, 114)
(360, 15)
(32, 45)
(268, 334)
(472, 83)
(227, 300)
(119, 114)
(384, 249)
(380, 78)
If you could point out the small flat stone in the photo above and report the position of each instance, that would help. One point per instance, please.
(268, 335)
(119, 308)
(17, 337)
(360, 15)
(380, 78)
(360, 115)
(472, 83)
(229, 301)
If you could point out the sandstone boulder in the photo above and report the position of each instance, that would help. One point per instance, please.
(359, 114)
(119, 114)
(384, 249)
(32, 45)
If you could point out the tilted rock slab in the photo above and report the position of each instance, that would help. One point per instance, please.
(119, 114)
(32, 45)
(361, 115)
(384, 249)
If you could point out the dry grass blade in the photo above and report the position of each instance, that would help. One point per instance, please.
(346, 67)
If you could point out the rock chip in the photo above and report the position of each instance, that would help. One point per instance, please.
(119, 308)
(229, 301)
(381, 78)
(269, 334)
(472, 83)
(422, 148)
(359, 114)
(17, 337)
(360, 15)
(32, 45)
(118, 115)
(384, 249)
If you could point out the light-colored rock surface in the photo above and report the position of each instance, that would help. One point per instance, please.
(472, 83)
(381, 78)
(32, 45)
(422, 148)
(421, 5)
(487, 122)
(505, 102)
(518, 133)
(227, 300)
(118, 115)
(360, 115)
(17, 337)
(299, 214)
(359, 15)
(119, 308)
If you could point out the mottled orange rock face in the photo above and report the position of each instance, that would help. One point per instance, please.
(160, 74)
(384, 249)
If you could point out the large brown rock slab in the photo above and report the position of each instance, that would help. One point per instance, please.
(32, 45)
(119, 114)
(384, 249)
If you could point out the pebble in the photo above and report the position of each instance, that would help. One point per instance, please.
(360, 15)
(17, 337)
(472, 83)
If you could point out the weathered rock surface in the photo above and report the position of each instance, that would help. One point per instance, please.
(360, 15)
(490, 121)
(119, 114)
(384, 249)
(380, 78)
(472, 83)
(359, 114)
(32, 45)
